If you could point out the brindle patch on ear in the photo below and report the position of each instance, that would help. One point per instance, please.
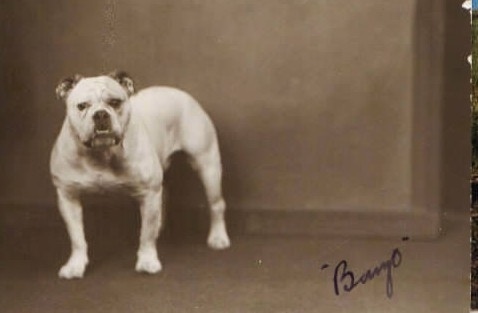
(66, 85)
(124, 80)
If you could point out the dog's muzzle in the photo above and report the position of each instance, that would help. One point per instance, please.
(102, 120)
(103, 135)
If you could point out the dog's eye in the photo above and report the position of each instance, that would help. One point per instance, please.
(114, 103)
(81, 106)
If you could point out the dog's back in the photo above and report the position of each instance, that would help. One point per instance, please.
(174, 120)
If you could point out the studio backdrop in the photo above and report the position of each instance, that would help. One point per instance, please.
(330, 115)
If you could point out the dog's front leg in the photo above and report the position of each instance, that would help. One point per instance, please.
(148, 261)
(72, 213)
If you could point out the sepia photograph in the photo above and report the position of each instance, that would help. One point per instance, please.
(286, 156)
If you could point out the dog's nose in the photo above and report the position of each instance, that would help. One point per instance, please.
(102, 120)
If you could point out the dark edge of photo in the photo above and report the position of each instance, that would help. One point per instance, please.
(474, 165)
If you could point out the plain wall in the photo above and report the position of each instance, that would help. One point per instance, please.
(312, 100)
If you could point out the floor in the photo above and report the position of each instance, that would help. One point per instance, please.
(258, 274)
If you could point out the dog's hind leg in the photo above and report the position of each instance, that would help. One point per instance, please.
(209, 168)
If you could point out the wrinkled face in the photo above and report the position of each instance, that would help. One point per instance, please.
(98, 111)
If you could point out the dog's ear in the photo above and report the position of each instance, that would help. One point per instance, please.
(124, 80)
(66, 85)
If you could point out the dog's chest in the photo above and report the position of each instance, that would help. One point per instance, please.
(99, 180)
(100, 177)
(107, 179)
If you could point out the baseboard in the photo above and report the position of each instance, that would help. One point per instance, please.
(412, 225)
(409, 225)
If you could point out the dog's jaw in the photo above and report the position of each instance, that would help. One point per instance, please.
(103, 140)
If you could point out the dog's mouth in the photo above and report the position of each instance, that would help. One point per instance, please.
(103, 139)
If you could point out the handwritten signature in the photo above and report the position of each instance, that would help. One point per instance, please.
(345, 280)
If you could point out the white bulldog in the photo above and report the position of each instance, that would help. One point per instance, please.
(113, 138)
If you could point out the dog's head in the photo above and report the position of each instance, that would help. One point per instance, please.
(97, 108)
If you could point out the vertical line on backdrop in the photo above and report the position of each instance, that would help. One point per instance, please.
(109, 34)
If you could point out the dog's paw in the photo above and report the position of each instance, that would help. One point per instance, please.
(218, 239)
(74, 268)
(148, 264)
